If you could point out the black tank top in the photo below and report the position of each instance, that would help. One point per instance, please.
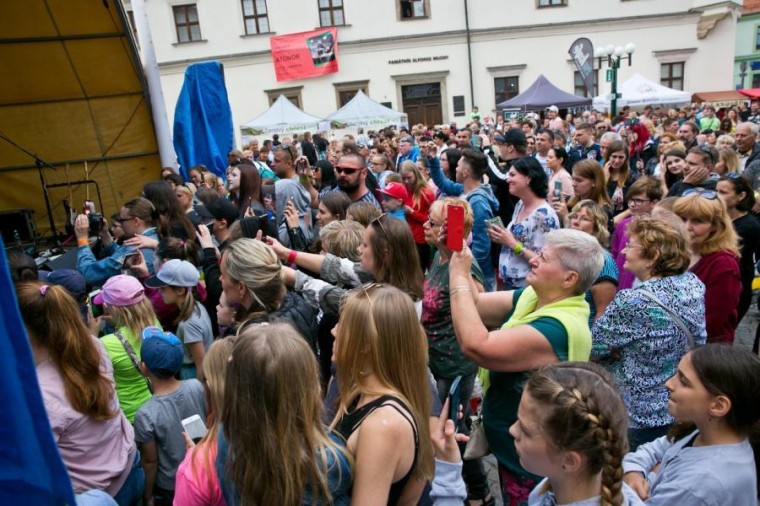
(352, 420)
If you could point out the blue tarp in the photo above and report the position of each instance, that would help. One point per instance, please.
(202, 119)
(31, 469)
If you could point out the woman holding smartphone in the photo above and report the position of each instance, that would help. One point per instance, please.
(533, 218)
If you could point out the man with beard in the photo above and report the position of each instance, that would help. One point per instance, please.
(288, 189)
(351, 173)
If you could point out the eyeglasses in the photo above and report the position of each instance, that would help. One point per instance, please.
(432, 223)
(346, 170)
(377, 221)
(630, 245)
(637, 202)
(702, 192)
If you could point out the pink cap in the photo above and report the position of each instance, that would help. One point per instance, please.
(120, 291)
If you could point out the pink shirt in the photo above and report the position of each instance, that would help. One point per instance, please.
(97, 454)
(197, 484)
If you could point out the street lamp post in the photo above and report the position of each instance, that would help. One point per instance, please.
(614, 55)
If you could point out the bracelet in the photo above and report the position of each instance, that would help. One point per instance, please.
(292, 256)
(518, 249)
(460, 289)
(83, 242)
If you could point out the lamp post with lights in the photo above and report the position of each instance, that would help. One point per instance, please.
(614, 55)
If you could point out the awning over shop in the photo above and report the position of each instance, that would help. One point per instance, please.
(719, 99)
(752, 92)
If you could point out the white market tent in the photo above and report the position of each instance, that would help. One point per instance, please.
(282, 117)
(640, 91)
(362, 111)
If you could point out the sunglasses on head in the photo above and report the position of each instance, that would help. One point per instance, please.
(733, 175)
(702, 192)
(346, 170)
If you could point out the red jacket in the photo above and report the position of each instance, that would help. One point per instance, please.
(419, 214)
(719, 272)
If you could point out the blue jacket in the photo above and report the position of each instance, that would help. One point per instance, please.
(414, 153)
(96, 272)
(484, 206)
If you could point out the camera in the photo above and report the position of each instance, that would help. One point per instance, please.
(96, 223)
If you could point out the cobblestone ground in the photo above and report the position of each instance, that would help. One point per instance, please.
(745, 336)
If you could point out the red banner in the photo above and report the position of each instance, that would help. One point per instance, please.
(305, 54)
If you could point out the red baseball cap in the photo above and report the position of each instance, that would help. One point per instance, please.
(396, 191)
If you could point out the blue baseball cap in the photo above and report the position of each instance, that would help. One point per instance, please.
(161, 352)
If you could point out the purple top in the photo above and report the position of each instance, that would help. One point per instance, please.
(97, 454)
(619, 238)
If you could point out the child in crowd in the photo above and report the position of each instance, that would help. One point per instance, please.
(706, 458)
(158, 423)
(572, 428)
(197, 483)
(177, 279)
(395, 197)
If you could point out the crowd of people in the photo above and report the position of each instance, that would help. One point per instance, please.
(296, 330)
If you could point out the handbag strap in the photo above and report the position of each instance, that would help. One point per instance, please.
(133, 356)
(676, 319)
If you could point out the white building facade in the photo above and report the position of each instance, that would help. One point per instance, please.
(435, 59)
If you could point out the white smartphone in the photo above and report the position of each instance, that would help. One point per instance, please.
(194, 427)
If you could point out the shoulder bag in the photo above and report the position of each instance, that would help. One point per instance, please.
(133, 356)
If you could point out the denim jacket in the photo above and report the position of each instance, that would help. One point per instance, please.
(96, 272)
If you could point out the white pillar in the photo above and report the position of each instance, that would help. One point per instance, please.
(152, 77)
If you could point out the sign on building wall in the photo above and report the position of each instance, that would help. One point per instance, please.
(305, 54)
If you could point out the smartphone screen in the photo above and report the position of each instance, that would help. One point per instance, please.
(194, 427)
(97, 309)
(455, 399)
(454, 227)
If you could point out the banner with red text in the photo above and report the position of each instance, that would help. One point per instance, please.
(305, 54)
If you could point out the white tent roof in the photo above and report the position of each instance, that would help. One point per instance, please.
(362, 111)
(638, 90)
(282, 117)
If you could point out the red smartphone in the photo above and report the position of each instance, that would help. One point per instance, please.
(454, 227)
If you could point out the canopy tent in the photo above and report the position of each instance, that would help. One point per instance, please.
(362, 111)
(640, 91)
(719, 99)
(72, 92)
(542, 94)
(282, 117)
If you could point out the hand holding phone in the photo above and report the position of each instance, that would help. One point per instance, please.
(195, 428)
(455, 399)
(454, 227)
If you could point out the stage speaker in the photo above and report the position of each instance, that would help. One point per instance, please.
(18, 220)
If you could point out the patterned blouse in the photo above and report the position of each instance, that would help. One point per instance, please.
(641, 345)
(513, 269)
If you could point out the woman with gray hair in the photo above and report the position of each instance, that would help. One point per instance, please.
(251, 279)
(543, 323)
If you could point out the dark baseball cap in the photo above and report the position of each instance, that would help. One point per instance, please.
(70, 279)
(223, 209)
(161, 352)
(513, 136)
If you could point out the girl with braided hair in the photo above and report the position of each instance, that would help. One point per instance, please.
(572, 428)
